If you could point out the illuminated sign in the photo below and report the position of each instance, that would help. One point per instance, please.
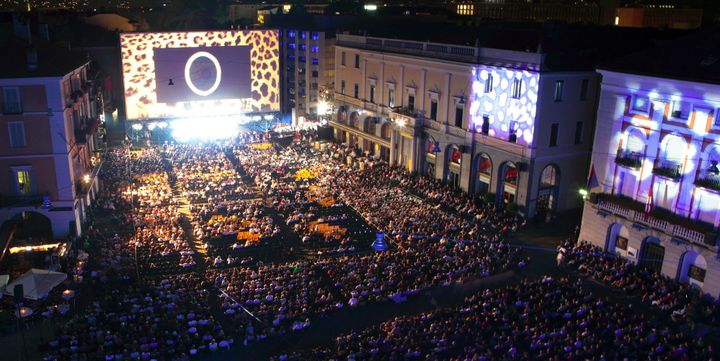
(200, 74)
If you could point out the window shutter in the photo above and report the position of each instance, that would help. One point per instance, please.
(14, 189)
(33, 182)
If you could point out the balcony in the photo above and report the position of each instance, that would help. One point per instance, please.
(12, 108)
(629, 159)
(405, 115)
(663, 220)
(668, 169)
(708, 181)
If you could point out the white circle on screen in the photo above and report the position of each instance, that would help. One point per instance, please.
(189, 76)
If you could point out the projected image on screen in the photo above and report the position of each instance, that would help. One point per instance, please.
(169, 75)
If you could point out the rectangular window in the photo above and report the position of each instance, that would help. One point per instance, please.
(578, 133)
(696, 273)
(24, 183)
(303, 35)
(681, 110)
(314, 36)
(342, 58)
(11, 101)
(433, 109)
(315, 49)
(16, 130)
(291, 34)
(486, 124)
(391, 98)
(314, 74)
(559, 90)
(411, 102)
(291, 45)
(357, 61)
(372, 94)
(554, 134)
(641, 104)
(489, 84)
(342, 87)
(516, 88)
(303, 47)
(356, 91)
(584, 89)
(512, 132)
(459, 116)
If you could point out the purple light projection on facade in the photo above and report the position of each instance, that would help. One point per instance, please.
(508, 98)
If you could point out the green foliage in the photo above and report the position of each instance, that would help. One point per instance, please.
(666, 172)
(628, 162)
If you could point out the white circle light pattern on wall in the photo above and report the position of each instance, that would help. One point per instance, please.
(191, 79)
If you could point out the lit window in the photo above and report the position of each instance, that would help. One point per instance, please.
(23, 181)
(315, 36)
(559, 90)
(315, 49)
(641, 104)
(489, 84)
(584, 89)
(16, 131)
(291, 34)
(517, 88)
(681, 110)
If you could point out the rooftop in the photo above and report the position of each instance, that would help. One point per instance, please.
(565, 47)
(695, 57)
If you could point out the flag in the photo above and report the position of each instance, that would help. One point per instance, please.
(592, 179)
(649, 204)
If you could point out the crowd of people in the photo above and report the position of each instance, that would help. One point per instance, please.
(172, 265)
(535, 320)
(681, 301)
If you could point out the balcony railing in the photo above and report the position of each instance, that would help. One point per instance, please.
(629, 159)
(12, 108)
(709, 182)
(663, 220)
(668, 169)
(407, 112)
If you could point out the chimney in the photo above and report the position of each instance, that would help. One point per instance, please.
(32, 58)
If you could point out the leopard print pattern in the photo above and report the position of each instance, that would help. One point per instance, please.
(140, 83)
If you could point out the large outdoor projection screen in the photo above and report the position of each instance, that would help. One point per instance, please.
(200, 73)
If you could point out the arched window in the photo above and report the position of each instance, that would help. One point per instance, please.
(711, 164)
(355, 120)
(454, 155)
(633, 148)
(673, 150)
(484, 164)
(385, 131)
(548, 177)
(510, 175)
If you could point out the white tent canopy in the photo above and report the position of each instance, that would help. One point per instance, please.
(37, 283)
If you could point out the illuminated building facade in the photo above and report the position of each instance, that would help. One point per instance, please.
(309, 66)
(48, 129)
(655, 187)
(487, 121)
